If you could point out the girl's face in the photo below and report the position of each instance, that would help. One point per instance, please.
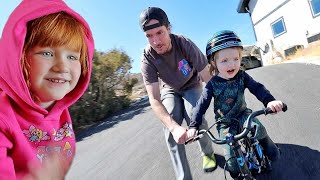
(228, 62)
(54, 72)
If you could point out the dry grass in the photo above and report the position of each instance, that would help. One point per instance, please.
(312, 50)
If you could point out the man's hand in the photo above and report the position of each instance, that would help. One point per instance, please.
(179, 134)
(191, 133)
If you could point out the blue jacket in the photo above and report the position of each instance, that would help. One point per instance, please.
(229, 99)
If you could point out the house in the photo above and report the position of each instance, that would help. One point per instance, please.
(282, 26)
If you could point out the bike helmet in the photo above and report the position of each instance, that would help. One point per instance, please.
(221, 40)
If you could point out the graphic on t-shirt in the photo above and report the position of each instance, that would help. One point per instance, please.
(65, 131)
(35, 134)
(184, 67)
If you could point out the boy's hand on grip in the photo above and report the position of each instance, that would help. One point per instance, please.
(275, 106)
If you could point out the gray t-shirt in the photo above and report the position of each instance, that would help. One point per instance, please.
(178, 68)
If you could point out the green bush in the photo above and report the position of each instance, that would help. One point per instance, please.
(108, 91)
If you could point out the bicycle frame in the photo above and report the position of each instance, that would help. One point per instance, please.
(252, 146)
(239, 155)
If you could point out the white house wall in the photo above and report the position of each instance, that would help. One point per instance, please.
(298, 20)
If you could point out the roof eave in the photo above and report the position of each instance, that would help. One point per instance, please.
(242, 6)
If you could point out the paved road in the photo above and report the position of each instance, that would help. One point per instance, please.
(130, 145)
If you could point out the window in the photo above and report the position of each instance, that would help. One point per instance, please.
(315, 7)
(278, 27)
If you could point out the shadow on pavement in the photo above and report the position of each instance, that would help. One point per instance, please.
(126, 114)
(296, 163)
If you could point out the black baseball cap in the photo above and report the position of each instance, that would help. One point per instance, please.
(153, 13)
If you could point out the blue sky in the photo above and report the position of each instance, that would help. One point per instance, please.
(115, 23)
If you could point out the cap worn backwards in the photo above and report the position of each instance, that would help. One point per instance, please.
(153, 13)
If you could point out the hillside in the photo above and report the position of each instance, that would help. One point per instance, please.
(139, 89)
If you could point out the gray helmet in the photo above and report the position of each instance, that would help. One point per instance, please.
(221, 40)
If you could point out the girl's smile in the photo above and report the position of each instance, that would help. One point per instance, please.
(55, 72)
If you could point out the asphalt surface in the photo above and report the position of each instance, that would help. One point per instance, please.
(130, 145)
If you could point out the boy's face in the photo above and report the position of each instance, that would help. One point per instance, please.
(159, 37)
(54, 72)
(228, 62)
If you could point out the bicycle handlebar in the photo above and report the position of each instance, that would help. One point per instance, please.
(246, 127)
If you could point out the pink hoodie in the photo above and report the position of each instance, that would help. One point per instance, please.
(28, 133)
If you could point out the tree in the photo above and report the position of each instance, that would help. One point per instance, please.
(128, 85)
(102, 96)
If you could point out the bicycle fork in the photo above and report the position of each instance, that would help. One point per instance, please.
(241, 161)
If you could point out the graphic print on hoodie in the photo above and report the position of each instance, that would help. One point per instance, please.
(28, 132)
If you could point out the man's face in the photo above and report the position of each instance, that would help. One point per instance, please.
(159, 37)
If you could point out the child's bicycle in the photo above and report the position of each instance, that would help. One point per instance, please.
(248, 152)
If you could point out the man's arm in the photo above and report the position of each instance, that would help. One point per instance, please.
(205, 75)
(178, 132)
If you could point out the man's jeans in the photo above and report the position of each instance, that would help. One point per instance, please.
(179, 105)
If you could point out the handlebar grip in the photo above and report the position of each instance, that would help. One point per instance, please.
(188, 141)
(284, 109)
(194, 139)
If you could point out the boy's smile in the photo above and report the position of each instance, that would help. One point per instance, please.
(228, 62)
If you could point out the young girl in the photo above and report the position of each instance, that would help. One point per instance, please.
(224, 53)
(45, 64)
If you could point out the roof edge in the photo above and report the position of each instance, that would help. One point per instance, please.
(242, 6)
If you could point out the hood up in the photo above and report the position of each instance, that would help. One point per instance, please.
(12, 81)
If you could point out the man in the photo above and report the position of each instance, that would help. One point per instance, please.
(179, 64)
